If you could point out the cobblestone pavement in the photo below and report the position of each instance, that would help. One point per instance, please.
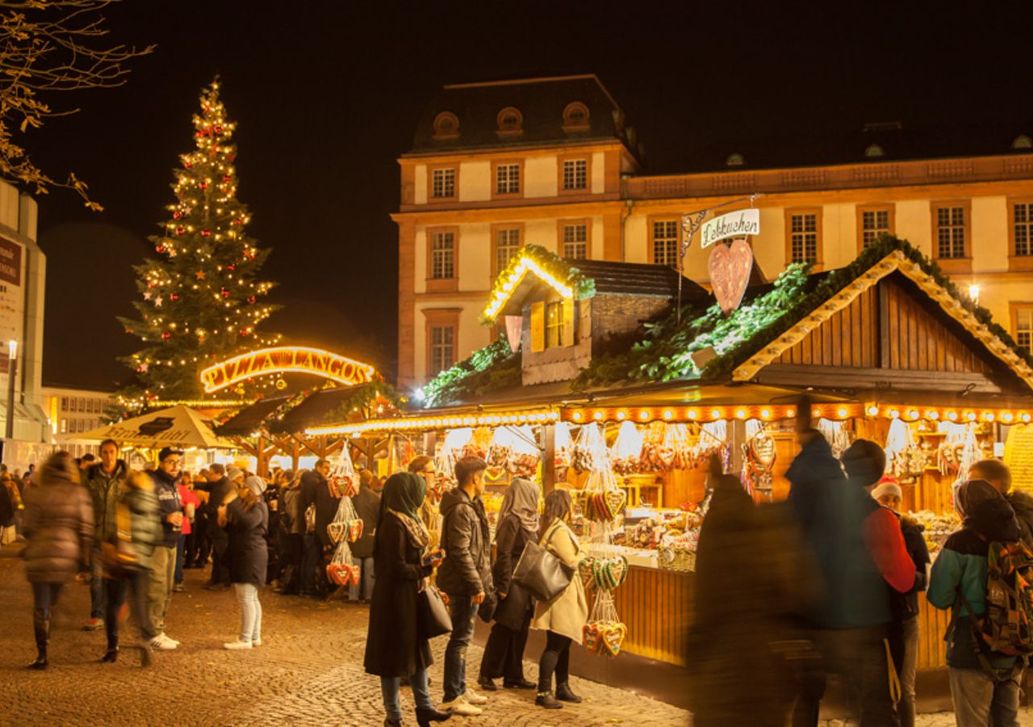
(307, 672)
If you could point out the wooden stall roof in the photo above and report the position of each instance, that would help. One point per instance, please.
(251, 418)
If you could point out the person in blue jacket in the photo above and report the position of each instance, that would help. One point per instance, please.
(984, 685)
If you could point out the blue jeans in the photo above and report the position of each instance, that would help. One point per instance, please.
(464, 614)
(390, 688)
(180, 549)
(365, 580)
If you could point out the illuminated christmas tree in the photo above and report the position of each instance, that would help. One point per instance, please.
(202, 298)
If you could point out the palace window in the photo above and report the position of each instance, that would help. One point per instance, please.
(1024, 327)
(575, 174)
(443, 183)
(950, 231)
(874, 222)
(442, 349)
(575, 241)
(665, 242)
(1022, 228)
(507, 242)
(804, 237)
(443, 256)
(446, 125)
(507, 179)
(575, 117)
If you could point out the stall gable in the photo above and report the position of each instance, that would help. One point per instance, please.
(887, 327)
(895, 317)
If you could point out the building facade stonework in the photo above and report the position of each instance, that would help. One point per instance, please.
(552, 162)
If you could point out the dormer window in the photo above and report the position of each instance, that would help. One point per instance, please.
(1022, 141)
(575, 117)
(510, 121)
(874, 151)
(446, 126)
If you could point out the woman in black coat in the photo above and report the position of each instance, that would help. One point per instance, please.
(394, 648)
(504, 653)
(246, 520)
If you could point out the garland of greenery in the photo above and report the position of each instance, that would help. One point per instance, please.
(559, 268)
(488, 369)
(838, 279)
(665, 353)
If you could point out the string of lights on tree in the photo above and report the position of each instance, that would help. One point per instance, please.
(202, 299)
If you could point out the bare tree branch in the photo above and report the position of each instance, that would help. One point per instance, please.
(49, 46)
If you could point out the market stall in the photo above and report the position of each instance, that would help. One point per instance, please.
(625, 415)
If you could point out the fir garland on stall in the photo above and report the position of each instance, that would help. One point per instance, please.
(487, 369)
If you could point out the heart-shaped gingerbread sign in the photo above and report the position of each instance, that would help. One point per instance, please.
(730, 267)
(592, 638)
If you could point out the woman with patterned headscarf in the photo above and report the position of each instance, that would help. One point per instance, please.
(394, 648)
(504, 653)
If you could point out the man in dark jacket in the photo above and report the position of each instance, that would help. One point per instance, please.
(850, 623)
(367, 507)
(464, 575)
(220, 488)
(315, 492)
(163, 559)
(103, 481)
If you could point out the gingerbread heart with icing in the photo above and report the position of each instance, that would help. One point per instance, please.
(592, 638)
(336, 531)
(613, 635)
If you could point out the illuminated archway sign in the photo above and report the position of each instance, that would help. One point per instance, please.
(285, 360)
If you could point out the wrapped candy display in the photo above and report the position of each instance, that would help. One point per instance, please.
(515, 449)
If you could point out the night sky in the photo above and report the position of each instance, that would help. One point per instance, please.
(327, 95)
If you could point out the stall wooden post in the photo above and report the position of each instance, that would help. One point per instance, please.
(736, 439)
(430, 443)
(260, 457)
(548, 446)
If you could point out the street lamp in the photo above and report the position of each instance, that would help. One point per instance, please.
(12, 370)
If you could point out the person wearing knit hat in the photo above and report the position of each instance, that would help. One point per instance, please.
(246, 520)
(888, 494)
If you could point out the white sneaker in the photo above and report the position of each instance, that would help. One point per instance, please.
(237, 645)
(170, 640)
(256, 642)
(461, 707)
(160, 643)
(473, 697)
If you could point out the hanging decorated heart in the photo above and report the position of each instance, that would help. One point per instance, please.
(592, 638)
(730, 267)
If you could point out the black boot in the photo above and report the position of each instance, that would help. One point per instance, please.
(392, 723)
(41, 627)
(487, 684)
(425, 716)
(110, 656)
(564, 694)
(546, 700)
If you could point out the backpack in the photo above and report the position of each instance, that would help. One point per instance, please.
(1007, 626)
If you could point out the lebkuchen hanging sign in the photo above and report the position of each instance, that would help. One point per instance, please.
(730, 264)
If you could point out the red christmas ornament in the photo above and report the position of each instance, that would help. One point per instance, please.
(225, 293)
(218, 129)
(206, 233)
(231, 267)
(203, 185)
(188, 165)
(227, 178)
(176, 215)
(159, 248)
(251, 299)
(244, 332)
(180, 230)
(151, 284)
(174, 297)
(166, 335)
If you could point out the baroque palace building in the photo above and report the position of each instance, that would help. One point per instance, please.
(552, 161)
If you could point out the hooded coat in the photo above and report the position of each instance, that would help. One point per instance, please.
(393, 645)
(466, 570)
(58, 524)
(962, 567)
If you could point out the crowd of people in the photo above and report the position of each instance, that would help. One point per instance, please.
(821, 588)
(824, 588)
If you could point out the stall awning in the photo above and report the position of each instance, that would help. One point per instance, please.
(178, 426)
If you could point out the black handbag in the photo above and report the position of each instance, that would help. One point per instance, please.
(541, 572)
(432, 618)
